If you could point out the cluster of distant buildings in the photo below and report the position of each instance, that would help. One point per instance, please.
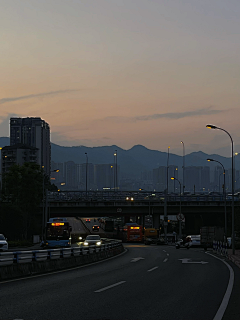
(196, 179)
(72, 176)
(30, 142)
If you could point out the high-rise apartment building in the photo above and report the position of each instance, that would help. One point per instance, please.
(17, 154)
(33, 132)
(70, 172)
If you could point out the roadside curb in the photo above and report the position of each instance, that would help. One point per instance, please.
(235, 260)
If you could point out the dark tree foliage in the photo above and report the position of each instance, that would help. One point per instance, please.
(22, 193)
(11, 222)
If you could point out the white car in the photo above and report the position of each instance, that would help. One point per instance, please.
(195, 240)
(92, 240)
(3, 243)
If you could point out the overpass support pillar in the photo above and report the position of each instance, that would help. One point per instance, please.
(156, 220)
(139, 220)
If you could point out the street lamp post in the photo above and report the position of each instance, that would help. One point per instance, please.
(180, 207)
(219, 184)
(224, 192)
(116, 171)
(235, 181)
(45, 195)
(167, 168)
(176, 169)
(183, 166)
(111, 167)
(210, 126)
(86, 174)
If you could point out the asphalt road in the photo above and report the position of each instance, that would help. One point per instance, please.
(146, 282)
(91, 223)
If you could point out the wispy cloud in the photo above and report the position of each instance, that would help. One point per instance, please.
(37, 95)
(169, 115)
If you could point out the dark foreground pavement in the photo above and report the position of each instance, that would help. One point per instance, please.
(147, 282)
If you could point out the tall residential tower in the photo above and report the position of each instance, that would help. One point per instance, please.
(33, 132)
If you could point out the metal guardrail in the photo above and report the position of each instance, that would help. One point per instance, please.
(7, 258)
(131, 196)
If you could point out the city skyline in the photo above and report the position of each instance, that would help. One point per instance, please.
(137, 72)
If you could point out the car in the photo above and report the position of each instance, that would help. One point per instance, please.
(3, 243)
(95, 228)
(92, 240)
(195, 240)
(88, 220)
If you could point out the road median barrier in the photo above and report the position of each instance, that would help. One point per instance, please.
(26, 263)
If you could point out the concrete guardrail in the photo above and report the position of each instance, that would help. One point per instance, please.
(25, 263)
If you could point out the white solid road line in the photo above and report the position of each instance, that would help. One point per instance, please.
(164, 251)
(109, 287)
(165, 260)
(152, 269)
(224, 304)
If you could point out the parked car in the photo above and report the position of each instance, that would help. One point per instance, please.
(3, 243)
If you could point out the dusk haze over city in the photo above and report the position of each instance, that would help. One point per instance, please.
(120, 160)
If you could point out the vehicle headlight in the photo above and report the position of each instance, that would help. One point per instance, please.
(98, 243)
(80, 238)
(85, 243)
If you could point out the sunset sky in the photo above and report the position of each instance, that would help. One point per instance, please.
(124, 72)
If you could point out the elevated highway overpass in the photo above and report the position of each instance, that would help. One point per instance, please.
(198, 210)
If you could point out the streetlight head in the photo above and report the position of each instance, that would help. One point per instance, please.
(181, 141)
(85, 152)
(210, 160)
(172, 178)
(210, 126)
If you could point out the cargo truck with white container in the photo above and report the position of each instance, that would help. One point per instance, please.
(210, 234)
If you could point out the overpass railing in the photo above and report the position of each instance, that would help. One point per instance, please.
(131, 196)
(8, 258)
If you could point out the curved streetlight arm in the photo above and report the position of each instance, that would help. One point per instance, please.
(210, 126)
(212, 160)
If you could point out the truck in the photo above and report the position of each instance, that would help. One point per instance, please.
(151, 237)
(209, 234)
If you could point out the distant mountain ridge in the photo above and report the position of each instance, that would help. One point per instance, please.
(133, 161)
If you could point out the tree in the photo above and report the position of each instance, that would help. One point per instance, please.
(23, 189)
